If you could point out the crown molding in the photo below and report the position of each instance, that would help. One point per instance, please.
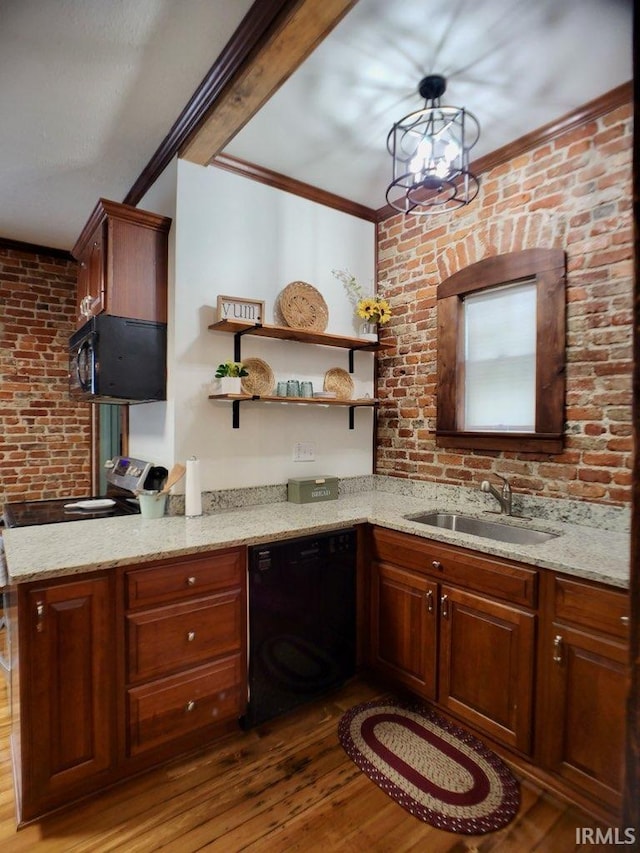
(291, 185)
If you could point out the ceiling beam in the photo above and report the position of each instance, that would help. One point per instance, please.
(294, 35)
(254, 28)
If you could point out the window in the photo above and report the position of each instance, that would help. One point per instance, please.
(501, 339)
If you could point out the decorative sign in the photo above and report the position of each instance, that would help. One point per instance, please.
(241, 309)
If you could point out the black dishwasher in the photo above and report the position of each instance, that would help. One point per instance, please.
(302, 621)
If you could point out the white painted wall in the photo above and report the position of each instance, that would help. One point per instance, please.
(234, 236)
(152, 425)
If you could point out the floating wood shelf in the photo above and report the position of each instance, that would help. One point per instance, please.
(284, 333)
(236, 399)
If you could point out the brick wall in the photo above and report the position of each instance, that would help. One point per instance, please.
(575, 194)
(44, 437)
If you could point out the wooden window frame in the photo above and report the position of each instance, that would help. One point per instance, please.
(547, 268)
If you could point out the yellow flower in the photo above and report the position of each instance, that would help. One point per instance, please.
(367, 308)
(374, 310)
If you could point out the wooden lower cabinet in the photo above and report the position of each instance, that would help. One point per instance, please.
(120, 670)
(67, 727)
(585, 667)
(404, 627)
(487, 653)
(536, 660)
(471, 653)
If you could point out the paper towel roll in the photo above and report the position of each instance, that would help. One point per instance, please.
(192, 493)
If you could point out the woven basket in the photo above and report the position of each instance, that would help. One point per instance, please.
(303, 307)
(340, 382)
(260, 379)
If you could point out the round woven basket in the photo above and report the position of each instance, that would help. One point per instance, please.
(303, 307)
(260, 379)
(340, 382)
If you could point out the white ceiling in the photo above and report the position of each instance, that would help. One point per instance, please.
(90, 88)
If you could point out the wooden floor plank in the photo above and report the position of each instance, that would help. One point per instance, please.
(282, 787)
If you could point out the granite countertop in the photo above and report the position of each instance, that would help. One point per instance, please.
(55, 550)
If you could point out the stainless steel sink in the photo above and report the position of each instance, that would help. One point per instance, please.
(483, 527)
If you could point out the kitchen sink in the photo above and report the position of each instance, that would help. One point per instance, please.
(483, 527)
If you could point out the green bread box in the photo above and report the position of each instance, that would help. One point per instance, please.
(307, 490)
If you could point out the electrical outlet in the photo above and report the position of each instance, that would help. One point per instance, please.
(304, 451)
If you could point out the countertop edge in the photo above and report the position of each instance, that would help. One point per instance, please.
(590, 553)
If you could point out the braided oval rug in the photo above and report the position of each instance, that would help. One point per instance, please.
(437, 771)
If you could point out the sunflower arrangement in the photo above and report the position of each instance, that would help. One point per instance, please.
(372, 309)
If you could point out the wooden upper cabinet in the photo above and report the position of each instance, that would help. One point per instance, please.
(122, 258)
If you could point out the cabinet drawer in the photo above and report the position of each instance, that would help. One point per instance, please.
(490, 575)
(165, 710)
(163, 640)
(158, 583)
(591, 606)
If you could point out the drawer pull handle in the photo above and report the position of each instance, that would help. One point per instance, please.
(624, 620)
(429, 601)
(39, 616)
(190, 706)
(444, 602)
(557, 649)
(191, 581)
(191, 636)
(437, 565)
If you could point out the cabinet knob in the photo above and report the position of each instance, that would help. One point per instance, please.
(191, 581)
(624, 620)
(190, 706)
(557, 649)
(437, 565)
(429, 597)
(191, 636)
(444, 606)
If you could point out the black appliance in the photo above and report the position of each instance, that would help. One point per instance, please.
(124, 476)
(118, 360)
(302, 621)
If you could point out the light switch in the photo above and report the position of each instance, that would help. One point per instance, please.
(304, 451)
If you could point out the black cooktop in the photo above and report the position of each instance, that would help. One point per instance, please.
(28, 513)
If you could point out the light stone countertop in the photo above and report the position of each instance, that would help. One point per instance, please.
(56, 550)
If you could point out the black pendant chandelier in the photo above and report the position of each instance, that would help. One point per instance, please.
(430, 150)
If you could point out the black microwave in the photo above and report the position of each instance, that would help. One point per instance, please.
(118, 360)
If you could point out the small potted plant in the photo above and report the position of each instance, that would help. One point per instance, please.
(229, 377)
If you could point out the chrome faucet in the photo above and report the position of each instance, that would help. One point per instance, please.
(503, 496)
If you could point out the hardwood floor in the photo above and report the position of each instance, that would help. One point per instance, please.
(285, 786)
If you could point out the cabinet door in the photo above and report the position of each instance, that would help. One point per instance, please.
(487, 665)
(404, 624)
(583, 731)
(91, 277)
(67, 666)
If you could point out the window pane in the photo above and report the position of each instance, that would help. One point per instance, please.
(500, 359)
